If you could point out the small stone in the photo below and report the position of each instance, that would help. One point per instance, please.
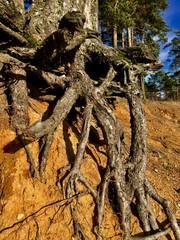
(20, 216)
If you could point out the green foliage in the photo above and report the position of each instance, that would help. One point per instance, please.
(117, 12)
(174, 53)
(149, 24)
(144, 16)
(163, 86)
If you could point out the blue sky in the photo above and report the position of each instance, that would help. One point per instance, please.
(172, 17)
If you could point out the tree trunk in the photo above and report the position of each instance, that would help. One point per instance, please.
(141, 77)
(129, 37)
(123, 39)
(114, 36)
(43, 16)
(177, 93)
(132, 36)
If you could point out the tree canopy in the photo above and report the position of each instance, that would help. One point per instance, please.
(174, 52)
(143, 17)
(164, 84)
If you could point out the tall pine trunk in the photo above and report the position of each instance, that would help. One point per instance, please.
(114, 36)
(132, 36)
(129, 37)
(123, 39)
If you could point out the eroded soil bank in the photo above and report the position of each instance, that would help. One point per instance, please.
(31, 209)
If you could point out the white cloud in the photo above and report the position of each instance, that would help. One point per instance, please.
(163, 55)
(170, 36)
(164, 51)
(155, 38)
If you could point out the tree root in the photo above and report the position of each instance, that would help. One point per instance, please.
(50, 78)
(33, 169)
(61, 110)
(153, 236)
(166, 206)
(74, 175)
(114, 170)
(129, 182)
(43, 153)
(18, 37)
(78, 231)
(17, 95)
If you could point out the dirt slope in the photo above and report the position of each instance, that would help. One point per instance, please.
(163, 121)
(30, 209)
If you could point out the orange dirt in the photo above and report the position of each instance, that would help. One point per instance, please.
(30, 209)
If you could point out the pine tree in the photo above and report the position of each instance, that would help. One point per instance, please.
(174, 57)
(117, 15)
(174, 52)
(162, 85)
(141, 20)
(150, 26)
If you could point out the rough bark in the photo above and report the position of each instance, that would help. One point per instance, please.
(12, 14)
(114, 36)
(78, 67)
(129, 37)
(44, 16)
(15, 80)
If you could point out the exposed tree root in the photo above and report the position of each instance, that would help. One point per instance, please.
(43, 153)
(18, 37)
(17, 95)
(33, 170)
(153, 236)
(74, 175)
(82, 83)
(166, 206)
(78, 231)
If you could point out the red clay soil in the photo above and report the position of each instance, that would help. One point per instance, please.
(31, 209)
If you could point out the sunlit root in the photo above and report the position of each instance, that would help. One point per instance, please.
(93, 71)
(74, 174)
(166, 206)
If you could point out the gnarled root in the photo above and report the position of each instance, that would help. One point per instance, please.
(130, 183)
(74, 175)
(166, 206)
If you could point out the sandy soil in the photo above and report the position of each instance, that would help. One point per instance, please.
(31, 209)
